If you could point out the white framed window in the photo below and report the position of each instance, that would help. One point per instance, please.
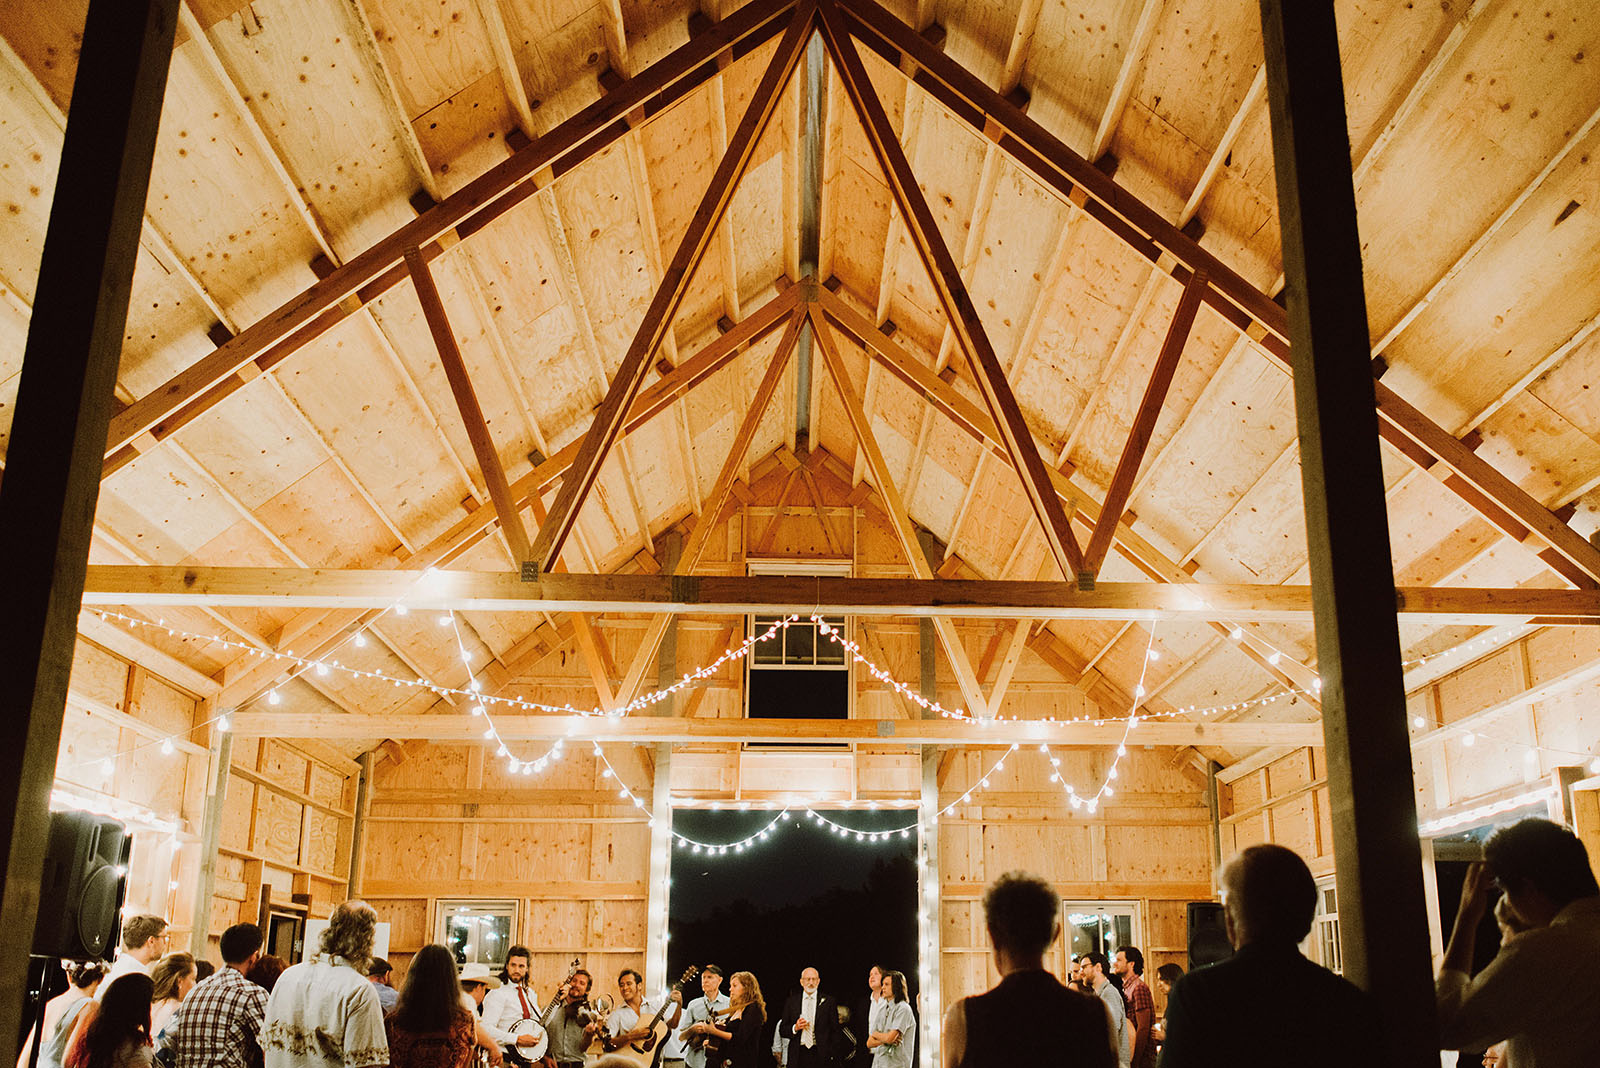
(800, 672)
(477, 931)
(1099, 926)
(1323, 942)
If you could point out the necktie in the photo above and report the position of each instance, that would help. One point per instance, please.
(809, 1011)
(526, 1012)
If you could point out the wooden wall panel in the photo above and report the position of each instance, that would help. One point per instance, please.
(276, 829)
(1159, 854)
(99, 676)
(238, 813)
(165, 707)
(326, 786)
(283, 765)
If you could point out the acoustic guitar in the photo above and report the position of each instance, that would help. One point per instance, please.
(646, 1052)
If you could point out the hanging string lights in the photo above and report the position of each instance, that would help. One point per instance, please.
(482, 704)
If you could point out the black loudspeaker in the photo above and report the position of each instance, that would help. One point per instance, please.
(85, 877)
(1208, 934)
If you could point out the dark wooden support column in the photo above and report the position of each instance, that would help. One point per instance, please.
(1383, 921)
(58, 435)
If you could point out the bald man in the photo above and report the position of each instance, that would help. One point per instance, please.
(810, 1022)
(1267, 1004)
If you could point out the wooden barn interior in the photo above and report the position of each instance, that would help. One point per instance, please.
(496, 374)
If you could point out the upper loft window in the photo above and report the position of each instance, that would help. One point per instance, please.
(800, 673)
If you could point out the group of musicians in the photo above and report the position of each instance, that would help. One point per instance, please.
(715, 1030)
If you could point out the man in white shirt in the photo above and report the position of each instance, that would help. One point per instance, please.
(1540, 995)
(323, 1013)
(144, 939)
(510, 1002)
(869, 1012)
(629, 1022)
(809, 1022)
(700, 1010)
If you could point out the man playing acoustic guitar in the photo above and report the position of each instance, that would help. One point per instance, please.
(631, 1021)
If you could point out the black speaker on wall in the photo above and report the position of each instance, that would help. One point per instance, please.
(1208, 934)
(85, 877)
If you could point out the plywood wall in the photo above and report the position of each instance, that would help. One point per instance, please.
(110, 761)
(448, 823)
(1149, 844)
(287, 818)
(1286, 803)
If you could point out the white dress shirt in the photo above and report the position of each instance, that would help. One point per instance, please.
(808, 1013)
(502, 1007)
(1539, 995)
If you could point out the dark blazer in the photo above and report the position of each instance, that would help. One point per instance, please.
(826, 1025)
(1266, 1005)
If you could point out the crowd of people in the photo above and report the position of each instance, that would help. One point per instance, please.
(1537, 1005)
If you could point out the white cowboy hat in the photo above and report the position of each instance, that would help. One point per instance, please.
(479, 973)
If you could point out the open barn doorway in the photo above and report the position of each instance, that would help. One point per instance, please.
(808, 894)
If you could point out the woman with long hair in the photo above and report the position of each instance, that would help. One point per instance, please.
(429, 1027)
(115, 1033)
(172, 977)
(893, 1024)
(739, 1034)
(61, 1013)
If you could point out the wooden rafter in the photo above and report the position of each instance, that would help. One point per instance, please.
(966, 415)
(331, 300)
(973, 339)
(645, 729)
(721, 490)
(1144, 422)
(139, 585)
(455, 371)
(895, 508)
(1476, 482)
(1127, 74)
(657, 320)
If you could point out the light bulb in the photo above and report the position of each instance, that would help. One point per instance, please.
(167, 748)
(273, 698)
(1469, 739)
(399, 609)
(222, 722)
(1236, 633)
(360, 640)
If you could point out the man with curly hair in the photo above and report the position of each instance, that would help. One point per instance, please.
(323, 1013)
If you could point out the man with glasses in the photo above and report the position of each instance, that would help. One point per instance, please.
(144, 940)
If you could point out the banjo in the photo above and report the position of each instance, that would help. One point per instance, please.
(533, 1025)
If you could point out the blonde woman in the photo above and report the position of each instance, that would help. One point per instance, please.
(173, 977)
(738, 1036)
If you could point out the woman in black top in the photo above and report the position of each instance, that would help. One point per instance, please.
(738, 1037)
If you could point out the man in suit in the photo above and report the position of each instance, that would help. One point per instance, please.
(809, 1023)
(1267, 1004)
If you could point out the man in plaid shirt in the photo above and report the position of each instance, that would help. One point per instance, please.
(1141, 1005)
(219, 1023)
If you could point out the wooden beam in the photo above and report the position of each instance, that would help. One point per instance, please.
(1487, 491)
(895, 508)
(652, 729)
(438, 590)
(1021, 451)
(1382, 914)
(1127, 74)
(1144, 422)
(323, 305)
(657, 320)
(700, 537)
(62, 409)
(455, 370)
(1219, 156)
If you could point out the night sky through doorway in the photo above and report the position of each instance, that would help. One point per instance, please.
(804, 896)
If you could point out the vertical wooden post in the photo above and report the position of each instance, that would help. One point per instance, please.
(221, 756)
(58, 434)
(658, 896)
(928, 942)
(358, 824)
(1384, 925)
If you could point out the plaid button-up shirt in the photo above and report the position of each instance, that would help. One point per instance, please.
(219, 1023)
